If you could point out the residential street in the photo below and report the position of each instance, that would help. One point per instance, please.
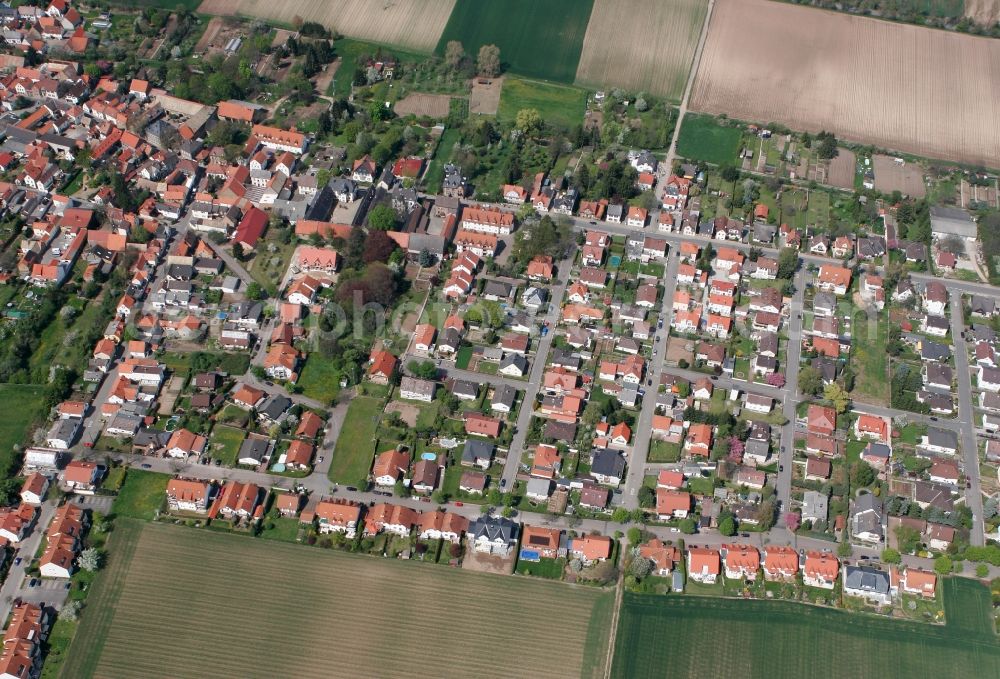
(791, 395)
(643, 431)
(967, 417)
(557, 292)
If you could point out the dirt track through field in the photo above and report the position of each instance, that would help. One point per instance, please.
(416, 24)
(196, 603)
(902, 87)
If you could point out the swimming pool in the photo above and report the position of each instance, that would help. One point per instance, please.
(615, 260)
(428, 456)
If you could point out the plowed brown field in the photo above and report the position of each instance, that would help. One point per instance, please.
(641, 45)
(907, 88)
(416, 24)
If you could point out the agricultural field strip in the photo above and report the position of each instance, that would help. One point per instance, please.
(642, 46)
(416, 24)
(164, 588)
(812, 69)
(774, 636)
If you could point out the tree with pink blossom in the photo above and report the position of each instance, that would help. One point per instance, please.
(736, 450)
(776, 380)
(792, 521)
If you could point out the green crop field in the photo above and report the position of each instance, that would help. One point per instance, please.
(197, 603)
(561, 105)
(711, 637)
(537, 38)
(703, 138)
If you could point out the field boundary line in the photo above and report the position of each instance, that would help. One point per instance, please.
(615, 612)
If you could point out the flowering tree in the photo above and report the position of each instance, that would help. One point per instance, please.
(792, 521)
(736, 450)
(776, 380)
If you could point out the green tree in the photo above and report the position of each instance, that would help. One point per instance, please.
(844, 550)
(382, 218)
(528, 120)
(810, 381)
(647, 497)
(943, 565)
(687, 526)
(727, 526)
(788, 262)
(982, 570)
(836, 395)
(862, 475)
(891, 556)
(907, 539)
(634, 536)
(620, 515)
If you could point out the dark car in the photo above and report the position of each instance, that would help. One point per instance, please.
(503, 483)
(781, 467)
(744, 535)
(352, 489)
(146, 466)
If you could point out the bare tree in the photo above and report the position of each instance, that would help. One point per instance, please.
(489, 61)
(454, 53)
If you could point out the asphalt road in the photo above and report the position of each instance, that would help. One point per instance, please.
(643, 430)
(966, 418)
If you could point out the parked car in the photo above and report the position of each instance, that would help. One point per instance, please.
(146, 465)
(352, 489)
(17, 561)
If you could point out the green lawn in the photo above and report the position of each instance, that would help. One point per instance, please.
(561, 105)
(142, 494)
(462, 357)
(537, 38)
(352, 457)
(20, 407)
(662, 636)
(435, 173)
(543, 568)
(189, 5)
(182, 362)
(224, 444)
(662, 451)
(703, 138)
(277, 527)
(869, 358)
(319, 379)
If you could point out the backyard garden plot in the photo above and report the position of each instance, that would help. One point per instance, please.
(665, 636)
(537, 38)
(416, 24)
(898, 86)
(561, 105)
(200, 603)
(641, 46)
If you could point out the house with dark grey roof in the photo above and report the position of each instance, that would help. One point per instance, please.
(465, 390)
(497, 290)
(982, 305)
(934, 351)
(942, 441)
(513, 365)
(504, 397)
(477, 453)
(867, 519)
(607, 466)
(253, 451)
(274, 407)
(867, 583)
(493, 535)
(824, 303)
